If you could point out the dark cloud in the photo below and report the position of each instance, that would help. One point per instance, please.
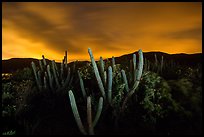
(194, 33)
(112, 27)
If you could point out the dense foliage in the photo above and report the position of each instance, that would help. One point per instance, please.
(160, 105)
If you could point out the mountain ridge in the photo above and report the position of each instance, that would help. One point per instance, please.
(13, 64)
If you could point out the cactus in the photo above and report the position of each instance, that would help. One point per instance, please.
(58, 80)
(82, 85)
(36, 76)
(101, 70)
(89, 116)
(100, 84)
(90, 124)
(109, 84)
(99, 110)
(76, 112)
(136, 82)
(135, 72)
(162, 63)
(125, 80)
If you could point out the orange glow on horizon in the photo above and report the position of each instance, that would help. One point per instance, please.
(30, 30)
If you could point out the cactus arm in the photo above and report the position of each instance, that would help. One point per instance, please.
(139, 74)
(50, 77)
(101, 69)
(125, 81)
(110, 84)
(140, 66)
(89, 116)
(67, 79)
(45, 82)
(44, 61)
(40, 63)
(39, 79)
(131, 72)
(65, 59)
(55, 74)
(56, 69)
(99, 110)
(105, 77)
(35, 74)
(82, 85)
(76, 113)
(162, 63)
(134, 67)
(100, 84)
(61, 71)
(113, 64)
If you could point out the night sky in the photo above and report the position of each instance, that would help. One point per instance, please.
(31, 30)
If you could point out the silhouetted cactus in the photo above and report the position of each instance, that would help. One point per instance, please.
(58, 80)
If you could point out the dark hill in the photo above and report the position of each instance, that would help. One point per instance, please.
(11, 65)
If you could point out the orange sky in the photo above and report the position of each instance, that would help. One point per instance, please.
(109, 29)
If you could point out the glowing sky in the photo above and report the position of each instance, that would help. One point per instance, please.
(109, 29)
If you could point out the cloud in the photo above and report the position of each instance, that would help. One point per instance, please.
(108, 28)
(192, 33)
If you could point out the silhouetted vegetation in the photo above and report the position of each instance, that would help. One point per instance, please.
(167, 101)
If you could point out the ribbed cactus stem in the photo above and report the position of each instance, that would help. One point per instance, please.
(55, 74)
(50, 77)
(41, 67)
(162, 63)
(67, 78)
(136, 83)
(89, 116)
(100, 84)
(99, 110)
(61, 71)
(134, 67)
(44, 61)
(105, 77)
(56, 69)
(101, 69)
(45, 82)
(140, 66)
(39, 79)
(113, 64)
(35, 74)
(110, 84)
(155, 57)
(82, 85)
(131, 72)
(76, 112)
(65, 59)
(125, 81)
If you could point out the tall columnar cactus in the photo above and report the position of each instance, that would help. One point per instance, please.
(96, 72)
(82, 85)
(57, 79)
(110, 84)
(137, 80)
(162, 64)
(102, 71)
(134, 81)
(90, 124)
